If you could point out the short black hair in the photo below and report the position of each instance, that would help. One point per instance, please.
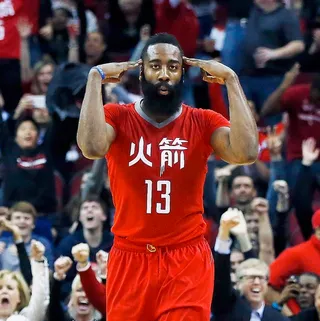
(25, 118)
(161, 38)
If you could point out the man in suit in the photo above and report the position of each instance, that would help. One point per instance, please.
(247, 302)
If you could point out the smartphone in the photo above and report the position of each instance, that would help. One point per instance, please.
(39, 101)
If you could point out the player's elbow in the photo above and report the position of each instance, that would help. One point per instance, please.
(91, 153)
(249, 156)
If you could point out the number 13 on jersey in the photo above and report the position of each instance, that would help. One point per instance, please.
(164, 188)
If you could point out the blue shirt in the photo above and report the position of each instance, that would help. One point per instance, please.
(9, 259)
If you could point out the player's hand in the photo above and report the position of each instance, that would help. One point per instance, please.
(260, 205)
(115, 70)
(61, 266)
(212, 70)
(309, 151)
(37, 250)
(80, 253)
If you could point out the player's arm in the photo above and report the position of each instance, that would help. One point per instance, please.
(94, 135)
(239, 143)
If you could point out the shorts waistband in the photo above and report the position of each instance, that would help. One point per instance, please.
(123, 244)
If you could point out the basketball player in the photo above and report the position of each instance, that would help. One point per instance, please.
(160, 267)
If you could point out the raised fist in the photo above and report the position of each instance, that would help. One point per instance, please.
(102, 259)
(62, 266)
(260, 205)
(281, 187)
(230, 219)
(80, 253)
(37, 250)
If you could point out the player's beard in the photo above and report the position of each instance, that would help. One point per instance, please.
(161, 105)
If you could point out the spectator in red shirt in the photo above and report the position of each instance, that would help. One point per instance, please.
(297, 260)
(302, 103)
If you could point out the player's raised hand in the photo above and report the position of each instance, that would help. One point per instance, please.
(212, 71)
(80, 253)
(112, 72)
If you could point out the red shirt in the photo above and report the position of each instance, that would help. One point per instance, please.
(304, 119)
(264, 154)
(10, 11)
(157, 173)
(296, 260)
(181, 22)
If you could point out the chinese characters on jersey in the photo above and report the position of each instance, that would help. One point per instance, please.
(171, 153)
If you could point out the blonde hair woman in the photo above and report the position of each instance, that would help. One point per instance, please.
(15, 301)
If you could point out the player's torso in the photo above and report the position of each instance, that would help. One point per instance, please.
(10, 10)
(157, 173)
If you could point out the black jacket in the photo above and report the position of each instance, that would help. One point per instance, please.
(29, 173)
(227, 303)
(306, 315)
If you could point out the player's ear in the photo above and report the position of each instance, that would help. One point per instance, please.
(140, 74)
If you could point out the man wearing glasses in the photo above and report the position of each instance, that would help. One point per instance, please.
(245, 302)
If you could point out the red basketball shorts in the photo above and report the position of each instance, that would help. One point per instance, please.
(173, 283)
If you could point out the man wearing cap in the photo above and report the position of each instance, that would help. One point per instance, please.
(299, 259)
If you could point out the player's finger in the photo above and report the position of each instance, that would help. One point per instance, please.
(134, 64)
(192, 62)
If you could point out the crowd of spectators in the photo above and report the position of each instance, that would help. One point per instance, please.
(56, 209)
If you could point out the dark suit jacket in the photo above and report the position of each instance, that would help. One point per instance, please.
(306, 315)
(227, 303)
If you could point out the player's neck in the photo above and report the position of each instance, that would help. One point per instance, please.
(93, 237)
(156, 118)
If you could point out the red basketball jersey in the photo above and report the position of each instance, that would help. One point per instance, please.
(157, 172)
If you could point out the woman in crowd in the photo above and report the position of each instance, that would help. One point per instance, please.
(15, 301)
(79, 307)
